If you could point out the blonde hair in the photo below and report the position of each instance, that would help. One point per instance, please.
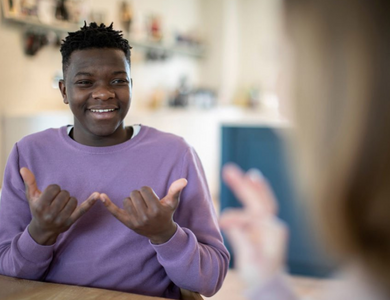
(342, 96)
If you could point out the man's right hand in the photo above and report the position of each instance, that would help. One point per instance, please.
(53, 210)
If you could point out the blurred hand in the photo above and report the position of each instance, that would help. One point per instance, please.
(257, 236)
(53, 210)
(146, 214)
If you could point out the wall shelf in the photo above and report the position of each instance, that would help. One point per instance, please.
(193, 51)
(34, 22)
(61, 27)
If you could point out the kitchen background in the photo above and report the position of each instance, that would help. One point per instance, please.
(208, 70)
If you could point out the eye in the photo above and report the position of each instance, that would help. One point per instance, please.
(83, 82)
(120, 81)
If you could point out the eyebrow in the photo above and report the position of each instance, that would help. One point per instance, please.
(83, 74)
(119, 72)
(90, 74)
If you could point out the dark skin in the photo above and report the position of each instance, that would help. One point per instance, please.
(146, 214)
(97, 86)
(53, 210)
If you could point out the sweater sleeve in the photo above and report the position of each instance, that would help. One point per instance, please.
(195, 258)
(20, 255)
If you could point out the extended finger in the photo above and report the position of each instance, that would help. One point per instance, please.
(232, 175)
(240, 185)
(249, 189)
(32, 191)
(84, 207)
(173, 196)
(117, 212)
(260, 185)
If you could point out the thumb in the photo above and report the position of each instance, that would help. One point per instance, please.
(173, 196)
(32, 191)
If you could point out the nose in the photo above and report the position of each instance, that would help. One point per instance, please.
(103, 93)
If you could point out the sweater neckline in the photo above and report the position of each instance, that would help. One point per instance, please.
(101, 150)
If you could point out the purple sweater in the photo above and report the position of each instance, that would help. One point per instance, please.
(98, 250)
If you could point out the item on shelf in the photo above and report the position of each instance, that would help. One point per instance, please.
(253, 97)
(248, 97)
(126, 15)
(188, 39)
(46, 11)
(155, 28)
(156, 54)
(157, 99)
(269, 103)
(11, 7)
(139, 28)
(34, 42)
(77, 12)
(28, 7)
(203, 98)
(61, 12)
(181, 94)
(83, 11)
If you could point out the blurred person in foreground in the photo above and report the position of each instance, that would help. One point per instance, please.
(342, 115)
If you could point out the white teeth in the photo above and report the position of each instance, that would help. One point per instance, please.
(102, 110)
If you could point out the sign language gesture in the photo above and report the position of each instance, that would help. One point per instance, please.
(53, 210)
(258, 237)
(146, 214)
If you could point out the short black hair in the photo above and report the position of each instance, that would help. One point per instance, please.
(93, 36)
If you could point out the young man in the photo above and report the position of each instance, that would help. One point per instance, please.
(150, 246)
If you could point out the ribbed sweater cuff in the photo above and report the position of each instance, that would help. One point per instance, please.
(32, 251)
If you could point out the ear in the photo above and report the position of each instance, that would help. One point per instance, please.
(131, 88)
(62, 87)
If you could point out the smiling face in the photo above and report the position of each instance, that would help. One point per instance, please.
(97, 87)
